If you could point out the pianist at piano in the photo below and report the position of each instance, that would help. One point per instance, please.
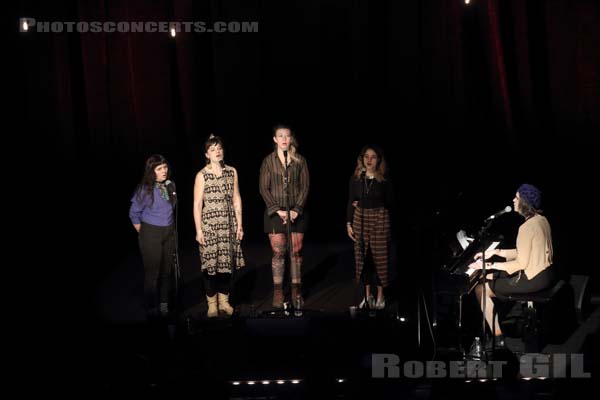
(528, 267)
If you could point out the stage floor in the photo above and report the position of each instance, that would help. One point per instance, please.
(262, 353)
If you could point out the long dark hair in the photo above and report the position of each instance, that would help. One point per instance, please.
(526, 209)
(146, 185)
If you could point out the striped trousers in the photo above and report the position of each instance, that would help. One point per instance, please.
(377, 236)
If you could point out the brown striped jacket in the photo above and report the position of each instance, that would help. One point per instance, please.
(271, 181)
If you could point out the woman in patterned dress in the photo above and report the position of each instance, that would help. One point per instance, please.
(218, 220)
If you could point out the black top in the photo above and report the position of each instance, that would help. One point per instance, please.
(376, 194)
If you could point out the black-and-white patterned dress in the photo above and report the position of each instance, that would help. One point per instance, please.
(219, 224)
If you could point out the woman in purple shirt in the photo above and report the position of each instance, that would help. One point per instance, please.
(151, 213)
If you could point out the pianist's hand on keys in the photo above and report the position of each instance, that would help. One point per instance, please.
(478, 265)
(488, 254)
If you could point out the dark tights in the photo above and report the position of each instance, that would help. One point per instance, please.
(220, 282)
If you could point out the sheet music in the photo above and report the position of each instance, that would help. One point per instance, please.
(492, 246)
(463, 239)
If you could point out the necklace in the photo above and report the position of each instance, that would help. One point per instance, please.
(369, 185)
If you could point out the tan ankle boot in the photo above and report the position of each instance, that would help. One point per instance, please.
(224, 304)
(213, 311)
(277, 296)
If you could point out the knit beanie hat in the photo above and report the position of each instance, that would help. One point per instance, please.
(531, 195)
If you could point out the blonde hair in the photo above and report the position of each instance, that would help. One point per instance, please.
(293, 147)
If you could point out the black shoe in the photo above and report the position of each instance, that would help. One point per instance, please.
(497, 341)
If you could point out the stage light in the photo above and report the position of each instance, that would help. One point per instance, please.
(341, 380)
(173, 32)
(467, 2)
(25, 25)
(278, 381)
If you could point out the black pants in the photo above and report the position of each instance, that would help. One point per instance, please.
(504, 285)
(157, 245)
(219, 282)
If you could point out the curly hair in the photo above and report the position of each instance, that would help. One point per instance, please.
(381, 168)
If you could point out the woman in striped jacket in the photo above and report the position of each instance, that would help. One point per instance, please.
(274, 184)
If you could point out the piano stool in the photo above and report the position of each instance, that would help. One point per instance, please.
(537, 310)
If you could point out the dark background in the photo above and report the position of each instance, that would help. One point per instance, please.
(467, 101)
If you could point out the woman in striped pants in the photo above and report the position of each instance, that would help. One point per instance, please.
(368, 221)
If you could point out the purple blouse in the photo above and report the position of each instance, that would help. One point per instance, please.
(159, 212)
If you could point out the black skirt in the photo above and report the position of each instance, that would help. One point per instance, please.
(504, 285)
(274, 224)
